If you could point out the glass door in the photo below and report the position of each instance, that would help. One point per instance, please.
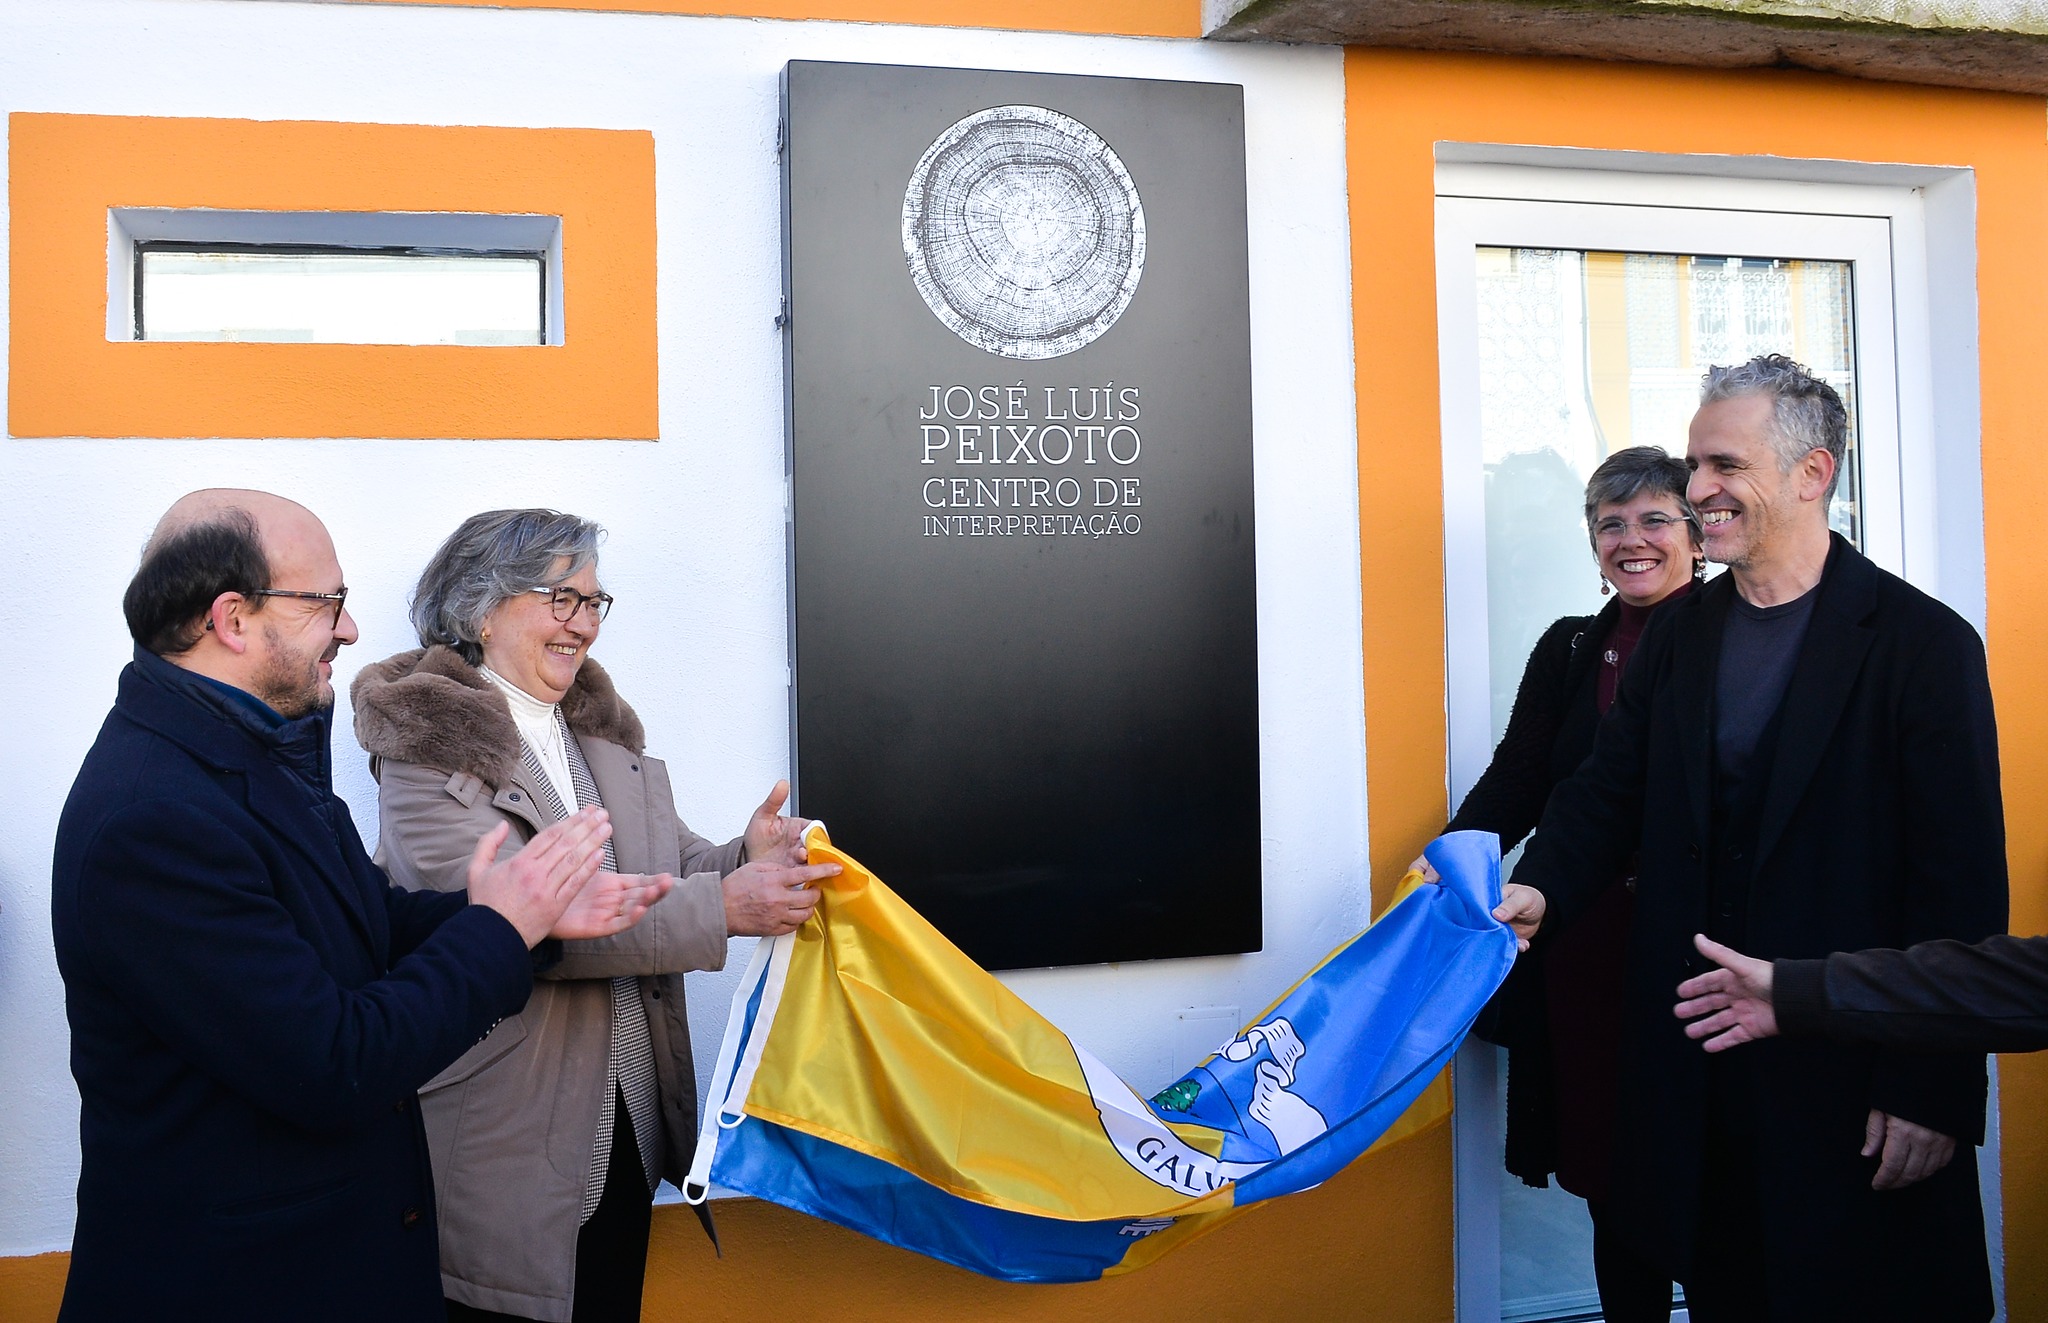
(1583, 353)
(1569, 331)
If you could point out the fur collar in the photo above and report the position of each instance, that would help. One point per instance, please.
(430, 707)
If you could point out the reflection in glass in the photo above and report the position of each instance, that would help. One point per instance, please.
(1582, 354)
(340, 297)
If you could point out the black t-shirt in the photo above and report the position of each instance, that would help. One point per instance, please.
(1759, 648)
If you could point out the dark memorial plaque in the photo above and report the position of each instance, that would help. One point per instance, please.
(1023, 605)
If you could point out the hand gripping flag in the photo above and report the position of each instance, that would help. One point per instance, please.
(874, 1076)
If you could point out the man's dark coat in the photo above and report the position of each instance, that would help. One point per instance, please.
(252, 1009)
(1880, 825)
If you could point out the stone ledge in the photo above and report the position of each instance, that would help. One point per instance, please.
(1941, 44)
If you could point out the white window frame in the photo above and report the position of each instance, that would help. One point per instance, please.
(1911, 232)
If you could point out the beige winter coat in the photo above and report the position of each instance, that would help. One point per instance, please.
(512, 1123)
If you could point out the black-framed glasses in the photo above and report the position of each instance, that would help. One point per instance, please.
(1654, 524)
(338, 598)
(566, 602)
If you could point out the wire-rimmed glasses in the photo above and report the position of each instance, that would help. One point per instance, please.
(1652, 525)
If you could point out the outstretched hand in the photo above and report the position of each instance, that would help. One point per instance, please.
(773, 838)
(533, 888)
(1732, 1003)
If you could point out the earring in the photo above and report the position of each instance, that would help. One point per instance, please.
(483, 636)
(1604, 587)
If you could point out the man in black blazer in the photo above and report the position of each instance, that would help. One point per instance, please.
(1804, 755)
(251, 1006)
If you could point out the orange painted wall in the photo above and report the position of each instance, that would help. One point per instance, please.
(66, 378)
(1317, 1256)
(31, 1287)
(1128, 18)
(1398, 105)
(1311, 1257)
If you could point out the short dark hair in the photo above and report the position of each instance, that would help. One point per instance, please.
(183, 572)
(1627, 474)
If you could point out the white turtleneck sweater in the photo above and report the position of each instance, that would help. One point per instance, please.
(541, 728)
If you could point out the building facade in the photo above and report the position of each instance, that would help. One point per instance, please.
(1406, 207)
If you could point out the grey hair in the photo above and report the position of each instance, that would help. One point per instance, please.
(1806, 413)
(1627, 474)
(492, 558)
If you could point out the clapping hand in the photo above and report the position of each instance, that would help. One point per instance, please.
(610, 903)
(534, 887)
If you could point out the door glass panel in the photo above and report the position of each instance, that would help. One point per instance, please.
(1581, 354)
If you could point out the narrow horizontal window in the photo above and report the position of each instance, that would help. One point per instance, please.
(310, 294)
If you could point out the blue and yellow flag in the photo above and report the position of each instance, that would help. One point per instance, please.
(874, 1076)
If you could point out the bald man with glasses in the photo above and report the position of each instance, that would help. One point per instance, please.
(252, 1006)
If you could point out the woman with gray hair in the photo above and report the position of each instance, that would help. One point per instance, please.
(549, 1136)
(1559, 1015)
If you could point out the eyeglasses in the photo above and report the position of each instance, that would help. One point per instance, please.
(1652, 525)
(338, 598)
(566, 602)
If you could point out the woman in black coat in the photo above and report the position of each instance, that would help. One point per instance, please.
(1559, 1015)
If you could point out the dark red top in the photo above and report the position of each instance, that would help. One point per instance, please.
(1584, 976)
(1618, 647)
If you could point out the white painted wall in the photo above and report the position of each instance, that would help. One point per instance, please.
(696, 553)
